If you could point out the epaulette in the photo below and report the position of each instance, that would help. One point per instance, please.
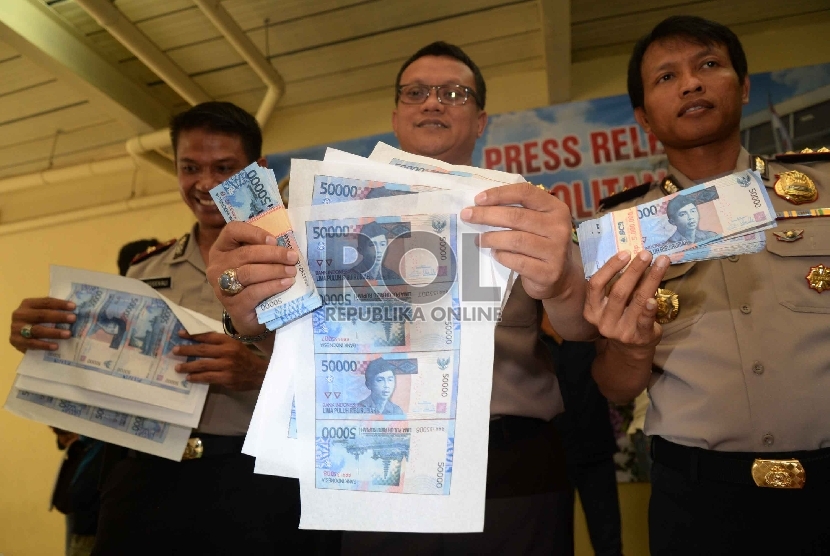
(155, 250)
(669, 185)
(759, 164)
(804, 156)
(625, 195)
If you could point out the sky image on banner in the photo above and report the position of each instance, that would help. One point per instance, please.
(585, 151)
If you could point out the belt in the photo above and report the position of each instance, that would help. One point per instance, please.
(203, 446)
(763, 469)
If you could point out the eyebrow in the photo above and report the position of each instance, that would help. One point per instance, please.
(702, 53)
(220, 161)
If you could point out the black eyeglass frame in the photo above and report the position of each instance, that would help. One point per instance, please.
(468, 92)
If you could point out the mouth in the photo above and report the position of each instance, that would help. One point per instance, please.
(205, 202)
(694, 107)
(432, 124)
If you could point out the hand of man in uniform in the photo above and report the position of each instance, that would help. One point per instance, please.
(43, 313)
(537, 245)
(625, 315)
(223, 361)
(263, 267)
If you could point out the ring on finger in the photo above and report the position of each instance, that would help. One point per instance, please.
(229, 282)
(26, 331)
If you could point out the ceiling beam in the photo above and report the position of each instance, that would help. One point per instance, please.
(555, 16)
(41, 36)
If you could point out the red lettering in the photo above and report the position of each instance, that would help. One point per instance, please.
(629, 181)
(552, 160)
(619, 144)
(570, 145)
(492, 157)
(531, 154)
(610, 184)
(599, 147)
(513, 159)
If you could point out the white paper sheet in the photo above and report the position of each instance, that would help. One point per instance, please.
(463, 509)
(33, 364)
(169, 442)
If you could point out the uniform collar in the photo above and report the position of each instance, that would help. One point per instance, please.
(743, 163)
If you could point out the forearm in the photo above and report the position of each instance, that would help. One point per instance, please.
(622, 372)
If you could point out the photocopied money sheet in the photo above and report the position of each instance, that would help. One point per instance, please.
(393, 377)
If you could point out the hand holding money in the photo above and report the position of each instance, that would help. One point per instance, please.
(221, 360)
(262, 266)
(39, 316)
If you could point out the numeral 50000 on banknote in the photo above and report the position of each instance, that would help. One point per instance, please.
(408, 457)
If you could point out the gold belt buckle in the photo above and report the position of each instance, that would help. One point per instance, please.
(778, 473)
(194, 449)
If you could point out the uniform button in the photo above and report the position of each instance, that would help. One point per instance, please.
(768, 439)
(733, 258)
(757, 368)
(746, 309)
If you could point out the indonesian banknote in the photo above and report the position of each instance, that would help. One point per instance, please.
(715, 219)
(252, 196)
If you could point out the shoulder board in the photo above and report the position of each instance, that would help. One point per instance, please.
(151, 251)
(804, 156)
(623, 196)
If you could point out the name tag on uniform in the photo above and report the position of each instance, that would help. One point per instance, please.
(158, 283)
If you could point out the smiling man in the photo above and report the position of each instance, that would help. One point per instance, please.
(738, 373)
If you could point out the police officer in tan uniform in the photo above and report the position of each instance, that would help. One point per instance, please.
(440, 113)
(211, 502)
(735, 352)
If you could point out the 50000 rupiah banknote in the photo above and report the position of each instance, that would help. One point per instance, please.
(252, 196)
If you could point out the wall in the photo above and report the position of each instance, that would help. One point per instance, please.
(29, 459)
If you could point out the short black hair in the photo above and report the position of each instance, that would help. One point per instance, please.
(441, 48)
(689, 27)
(220, 117)
(131, 250)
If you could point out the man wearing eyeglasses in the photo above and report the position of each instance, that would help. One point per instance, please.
(440, 96)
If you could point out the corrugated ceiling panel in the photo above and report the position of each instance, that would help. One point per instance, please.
(77, 17)
(37, 100)
(139, 10)
(588, 10)
(19, 73)
(251, 13)
(178, 28)
(628, 28)
(7, 51)
(233, 80)
(45, 125)
(400, 44)
(112, 150)
(25, 168)
(247, 100)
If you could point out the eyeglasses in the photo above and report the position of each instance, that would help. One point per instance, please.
(452, 95)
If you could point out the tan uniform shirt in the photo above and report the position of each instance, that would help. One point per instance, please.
(524, 380)
(746, 363)
(226, 412)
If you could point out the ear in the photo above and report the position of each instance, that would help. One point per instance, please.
(642, 118)
(745, 90)
(482, 122)
(262, 162)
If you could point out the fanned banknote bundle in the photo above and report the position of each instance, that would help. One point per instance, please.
(715, 219)
(252, 196)
(384, 399)
(114, 379)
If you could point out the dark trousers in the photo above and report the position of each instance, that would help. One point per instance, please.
(694, 514)
(213, 505)
(529, 506)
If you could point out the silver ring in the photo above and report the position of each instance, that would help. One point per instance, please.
(26, 331)
(229, 283)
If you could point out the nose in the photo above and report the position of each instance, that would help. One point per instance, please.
(431, 103)
(691, 84)
(207, 180)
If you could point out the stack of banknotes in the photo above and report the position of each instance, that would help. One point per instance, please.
(114, 379)
(380, 398)
(252, 196)
(715, 219)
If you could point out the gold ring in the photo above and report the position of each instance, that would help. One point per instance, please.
(229, 283)
(26, 331)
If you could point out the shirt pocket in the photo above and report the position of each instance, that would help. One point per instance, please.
(791, 263)
(683, 280)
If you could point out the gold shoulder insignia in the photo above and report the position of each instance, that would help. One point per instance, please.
(181, 245)
(760, 165)
(152, 251)
(669, 185)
